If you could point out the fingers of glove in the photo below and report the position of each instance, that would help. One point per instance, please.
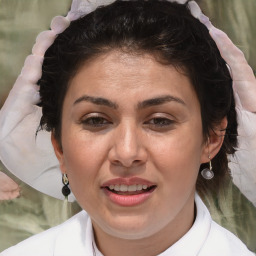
(246, 91)
(25, 91)
(32, 69)
(244, 81)
(59, 24)
(234, 57)
(19, 105)
(43, 41)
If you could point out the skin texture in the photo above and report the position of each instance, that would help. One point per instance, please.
(161, 143)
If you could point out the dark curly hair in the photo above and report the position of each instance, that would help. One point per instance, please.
(165, 30)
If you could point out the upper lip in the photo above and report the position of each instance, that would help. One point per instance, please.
(128, 182)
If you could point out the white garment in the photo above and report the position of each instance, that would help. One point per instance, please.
(75, 238)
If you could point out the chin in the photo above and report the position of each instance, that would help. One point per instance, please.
(130, 228)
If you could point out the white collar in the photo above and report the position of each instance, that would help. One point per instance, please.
(81, 240)
(192, 242)
(75, 237)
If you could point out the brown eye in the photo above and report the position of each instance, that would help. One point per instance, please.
(95, 121)
(160, 122)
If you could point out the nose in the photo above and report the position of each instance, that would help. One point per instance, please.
(127, 149)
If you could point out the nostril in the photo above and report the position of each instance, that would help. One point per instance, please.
(116, 163)
(136, 162)
(127, 163)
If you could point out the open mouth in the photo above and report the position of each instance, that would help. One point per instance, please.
(130, 190)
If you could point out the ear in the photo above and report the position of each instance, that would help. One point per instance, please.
(59, 153)
(215, 141)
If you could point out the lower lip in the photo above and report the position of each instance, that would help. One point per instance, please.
(128, 200)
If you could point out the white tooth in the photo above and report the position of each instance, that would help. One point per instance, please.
(144, 186)
(123, 188)
(111, 187)
(132, 188)
(116, 188)
(139, 187)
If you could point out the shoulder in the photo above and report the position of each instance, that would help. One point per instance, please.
(44, 243)
(220, 241)
(216, 240)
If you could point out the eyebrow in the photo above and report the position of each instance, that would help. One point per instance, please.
(160, 100)
(97, 101)
(144, 104)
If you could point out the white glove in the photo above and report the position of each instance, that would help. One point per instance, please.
(243, 163)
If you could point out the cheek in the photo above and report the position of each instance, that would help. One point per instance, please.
(83, 157)
(178, 163)
(178, 156)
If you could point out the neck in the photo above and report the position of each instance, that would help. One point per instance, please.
(149, 246)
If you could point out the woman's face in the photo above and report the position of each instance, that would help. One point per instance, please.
(132, 145)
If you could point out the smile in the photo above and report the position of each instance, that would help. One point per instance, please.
(128, 194)
(126, 188)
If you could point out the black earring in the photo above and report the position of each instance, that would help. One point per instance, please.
(65, 190)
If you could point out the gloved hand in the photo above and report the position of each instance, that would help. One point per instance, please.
(243, 162)
(244, 81)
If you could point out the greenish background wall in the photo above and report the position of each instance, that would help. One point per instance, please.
(20, 22)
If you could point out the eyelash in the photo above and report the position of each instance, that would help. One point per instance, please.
(153, 123)
(160, 122)
(95, 121)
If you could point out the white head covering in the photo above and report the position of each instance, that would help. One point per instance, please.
(31, 158)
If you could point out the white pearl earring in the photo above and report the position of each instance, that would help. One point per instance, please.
(207, 173)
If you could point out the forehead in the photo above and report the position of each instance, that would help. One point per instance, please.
(117, 74)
